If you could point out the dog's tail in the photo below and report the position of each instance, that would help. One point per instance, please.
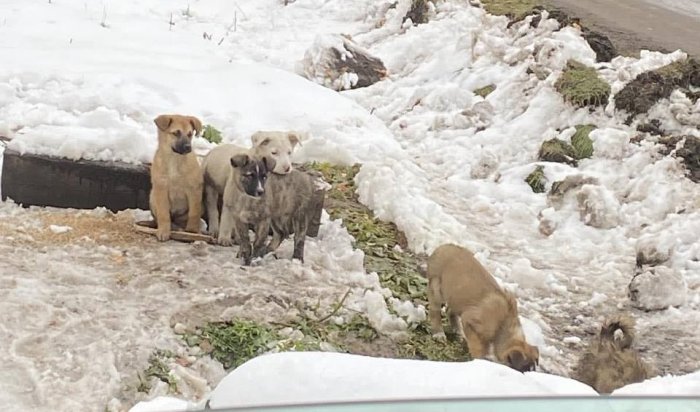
(624, 324)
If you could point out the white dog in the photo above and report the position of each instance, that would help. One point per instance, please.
(277, 145)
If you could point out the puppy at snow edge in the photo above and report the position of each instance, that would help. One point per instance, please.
(478, 309)
(176, 177)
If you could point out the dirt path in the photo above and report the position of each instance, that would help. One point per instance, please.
(85, 300)
(634, 24)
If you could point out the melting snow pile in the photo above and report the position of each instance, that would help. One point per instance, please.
(333, 377)
(445, 163)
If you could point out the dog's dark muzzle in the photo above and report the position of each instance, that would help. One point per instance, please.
(182, 146)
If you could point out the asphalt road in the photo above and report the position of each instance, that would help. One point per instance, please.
(640, 24)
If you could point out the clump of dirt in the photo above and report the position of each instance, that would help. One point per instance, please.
(485, 91)
(581, 86)
(639, 95)
(600, 43)
(418, 13)
(536, 180)
(558, 151)
(652, 127)
(690, 153)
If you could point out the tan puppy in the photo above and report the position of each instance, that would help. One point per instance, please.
(176, 178)
(611, 363)
(278, 146)
(484, 314)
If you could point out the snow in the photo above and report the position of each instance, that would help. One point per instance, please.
(442, 163)
(658, 289)
(164, 404)
(81, 316)
(84, 103)
(333, 377)
(57, 229)
(688, 385)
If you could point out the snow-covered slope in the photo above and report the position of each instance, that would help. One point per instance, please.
(85, 79)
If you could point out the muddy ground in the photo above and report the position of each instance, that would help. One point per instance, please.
(633, 25)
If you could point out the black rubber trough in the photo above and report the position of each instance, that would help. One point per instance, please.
(39, 180)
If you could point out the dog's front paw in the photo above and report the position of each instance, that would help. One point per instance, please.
(224, 241)
(163, 234)
(260, 252)
(192, 228)
(440, 337)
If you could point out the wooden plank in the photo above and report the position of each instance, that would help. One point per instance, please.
(149, 227)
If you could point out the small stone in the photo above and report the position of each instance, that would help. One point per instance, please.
(179, 329)
(658, 288)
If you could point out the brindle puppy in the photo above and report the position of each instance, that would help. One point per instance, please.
(239, 177)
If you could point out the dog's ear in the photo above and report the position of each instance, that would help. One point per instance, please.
(196, 124)
(269, 163)
(294, 139)
(163, 122)
(259, 139)
(240, 160)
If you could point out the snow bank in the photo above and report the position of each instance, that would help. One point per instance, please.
(84, 102)
(333, 377)
(315, 377)
(688, 385)
(164, 404)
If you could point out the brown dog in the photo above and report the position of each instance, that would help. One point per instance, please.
(176, 178)
(611, 363)
(484, 314)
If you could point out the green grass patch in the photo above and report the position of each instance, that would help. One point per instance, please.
(396, 267)
(581, 86)
(581, 142)
(537, 180)
(422, 345)
(211, 134)
(158, 368)
(233, 343)
(513, 9)
(557, 150)
(485, 91)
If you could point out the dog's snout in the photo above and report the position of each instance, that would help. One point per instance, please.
(260, 191)
(288, 168)
(182, 146)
